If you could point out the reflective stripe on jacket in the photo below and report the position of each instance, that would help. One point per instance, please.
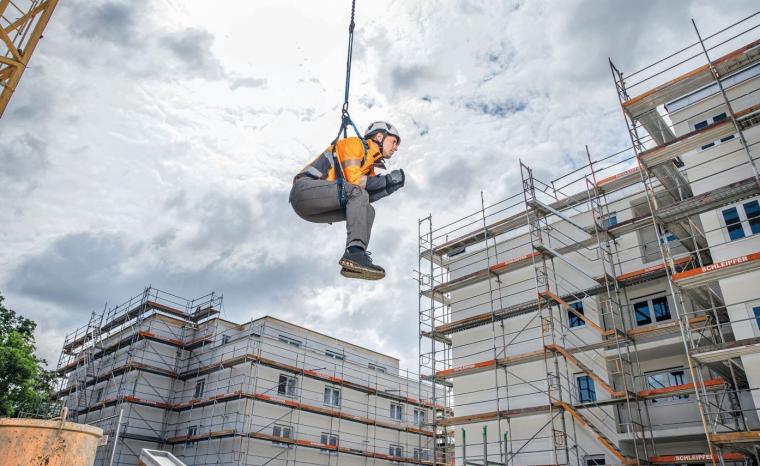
(350, 153)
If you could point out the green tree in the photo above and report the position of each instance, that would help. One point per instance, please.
(24, 382)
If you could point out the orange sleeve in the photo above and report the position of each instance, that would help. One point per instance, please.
(351, 154)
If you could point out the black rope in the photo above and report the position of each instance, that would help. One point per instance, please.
(345, 117)
(351, 27)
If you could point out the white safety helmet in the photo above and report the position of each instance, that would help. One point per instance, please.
(382, 127)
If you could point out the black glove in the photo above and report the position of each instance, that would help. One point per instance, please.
(376, 195)
(394, 180)
(376, 183)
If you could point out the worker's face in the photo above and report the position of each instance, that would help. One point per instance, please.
(389, 146)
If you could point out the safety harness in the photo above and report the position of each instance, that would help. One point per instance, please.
(345, 120)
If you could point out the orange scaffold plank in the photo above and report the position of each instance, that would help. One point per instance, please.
(168, 309)
(712, 384)
(466, 369)
(695, 458)
(692, 80)
(664, 326)
(653, 268)
(723, 269)
(752, 436)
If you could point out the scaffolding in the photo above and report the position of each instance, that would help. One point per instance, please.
(532, 320)
(160, 371)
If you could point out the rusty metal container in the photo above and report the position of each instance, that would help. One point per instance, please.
(34, 442)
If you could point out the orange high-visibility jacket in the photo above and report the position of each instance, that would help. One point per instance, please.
(350, 153)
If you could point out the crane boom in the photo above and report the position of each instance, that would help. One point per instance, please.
(20, 31)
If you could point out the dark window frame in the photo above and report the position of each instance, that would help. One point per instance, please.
(586, 388)
(572, 319)
(651, 309)
(287, 385)
(200, 389)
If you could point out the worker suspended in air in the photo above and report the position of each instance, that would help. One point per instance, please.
(325, 193)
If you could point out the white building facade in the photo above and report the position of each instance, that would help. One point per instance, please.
(610, 316)
(218, 392)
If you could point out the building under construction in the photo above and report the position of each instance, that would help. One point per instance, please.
(610, 316)
(160, 371)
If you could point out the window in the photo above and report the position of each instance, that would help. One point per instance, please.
(586, 389)
(280, 431)
(610, 220)
(419, 417)
(329, 439)
(377, 368)
(286, 385)
(225, 339)
(334, 355)
(421, 454)
(572, 318)
(199, 387)
(742, 220)
(396, 450)
(595, 460)
(756, 311)
(332, 396)
(642, 313)
(661, 309)
(650, 240)
(667, 237)
(752, 211)
(733, 224)
(668, 378)
(716, 119)
(290, 341)
(99, 395)
(192, 431)
(397, 412)
(651, 310)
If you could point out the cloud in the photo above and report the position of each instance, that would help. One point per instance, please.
(409, 78)
(236, 83)
(164, 155)
(497, 109)
(115, 22)
(222, 220)
(118, 29)
(192, 46)
(23, 160)
(72, 271)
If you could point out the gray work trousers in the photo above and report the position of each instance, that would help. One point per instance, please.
(317, 201)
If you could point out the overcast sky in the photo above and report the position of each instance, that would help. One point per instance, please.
(154, 142)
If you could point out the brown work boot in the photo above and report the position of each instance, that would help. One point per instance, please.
(359, 265)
